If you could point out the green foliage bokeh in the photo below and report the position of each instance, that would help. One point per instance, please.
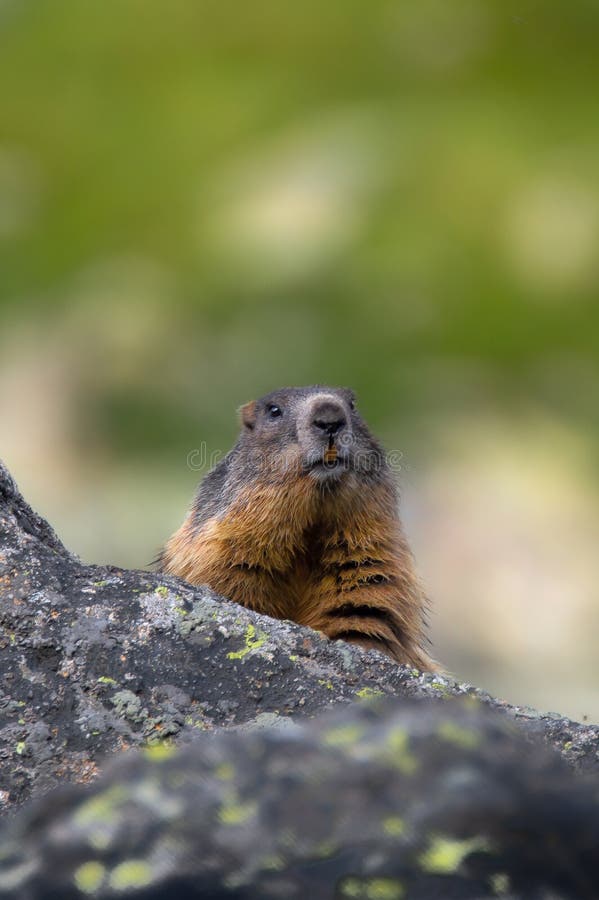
(139, 134)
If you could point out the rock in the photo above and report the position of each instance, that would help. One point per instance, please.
(421, 787)
(385, 799)
(96, 659)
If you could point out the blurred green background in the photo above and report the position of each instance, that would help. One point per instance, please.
(202, 201)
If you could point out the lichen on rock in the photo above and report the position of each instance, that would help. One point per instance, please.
(405, 779)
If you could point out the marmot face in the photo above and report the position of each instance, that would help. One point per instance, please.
(314, 432)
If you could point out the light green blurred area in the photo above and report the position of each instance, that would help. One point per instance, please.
(202, 201)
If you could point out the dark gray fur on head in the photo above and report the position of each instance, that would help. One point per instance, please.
(291, 432)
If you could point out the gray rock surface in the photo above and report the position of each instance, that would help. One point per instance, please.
(96, 659)
(385, 800)
(460, 798)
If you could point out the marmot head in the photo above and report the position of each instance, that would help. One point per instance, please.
(315, 431)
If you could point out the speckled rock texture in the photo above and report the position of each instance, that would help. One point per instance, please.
(397, 798)
(382, 800)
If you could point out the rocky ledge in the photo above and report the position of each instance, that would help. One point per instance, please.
(390, 796)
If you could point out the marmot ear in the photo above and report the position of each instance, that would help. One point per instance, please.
(248, 414)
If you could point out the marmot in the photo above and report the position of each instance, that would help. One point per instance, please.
(300, 521)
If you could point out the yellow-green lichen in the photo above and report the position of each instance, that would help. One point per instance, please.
(105, 679)
(103, 808)
(394, 826)
(224, 772)
(445, 854)
(89, 876)
(373, 889)
(441, 687)
(367, 692)
(159, 751)
(131, 874)
(343, 735)
(273, 863)
(194, 723)
(162, 590)
(20, 748)
(236, 813)
(327, 684)
(456, 734)
(325, 849)
(252, 642)
(500, 883)
(398, 750)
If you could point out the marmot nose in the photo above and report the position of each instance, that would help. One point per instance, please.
(329, 418)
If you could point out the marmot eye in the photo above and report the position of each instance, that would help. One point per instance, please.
(274, 411)
(352, 405)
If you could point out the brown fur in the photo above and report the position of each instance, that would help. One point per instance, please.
(337, 562)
